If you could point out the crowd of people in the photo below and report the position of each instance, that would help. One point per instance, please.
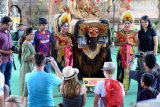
(36, 79)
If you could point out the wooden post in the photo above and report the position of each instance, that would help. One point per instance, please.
(8, 8)
(50, 13)
(114, 8)
(30, 9)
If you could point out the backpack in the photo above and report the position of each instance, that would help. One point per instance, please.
(114, 93)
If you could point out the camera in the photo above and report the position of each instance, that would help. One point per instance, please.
(138, 55)
(14, 49)
(47, 59)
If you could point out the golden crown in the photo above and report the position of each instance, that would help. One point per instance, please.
(64, 18)
(127, 16)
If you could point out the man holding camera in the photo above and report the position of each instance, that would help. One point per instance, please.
(6, 49)
(40, 84)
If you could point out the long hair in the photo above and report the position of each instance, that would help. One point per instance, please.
(71, 88)
(19, 10)
(22, 39)
(147, 19)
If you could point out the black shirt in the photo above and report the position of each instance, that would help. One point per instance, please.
(136, 75)
(146, 42)
(147, 94)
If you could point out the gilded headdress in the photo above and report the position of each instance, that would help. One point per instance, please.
(127, 16)
(64, 18)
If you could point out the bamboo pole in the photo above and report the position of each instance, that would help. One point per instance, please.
(114, 9)
(50, 12)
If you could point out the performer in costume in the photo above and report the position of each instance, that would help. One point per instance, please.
(126, 39)
(63, 41)
(92, 47)
(91, 37)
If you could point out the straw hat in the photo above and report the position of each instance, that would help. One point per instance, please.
(108, 66)
(69, 72)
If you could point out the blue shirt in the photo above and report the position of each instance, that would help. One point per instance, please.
(40, 88)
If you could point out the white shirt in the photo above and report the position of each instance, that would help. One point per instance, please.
(100, 90)
(1, 84)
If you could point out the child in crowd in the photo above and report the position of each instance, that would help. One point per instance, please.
(150, 67)
(42, 41)
(26, 54)
(20, 31)
(73, 92)
(103, 97)
(148, 92)
(13, 101)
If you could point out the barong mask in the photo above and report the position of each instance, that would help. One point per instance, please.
(91, 34)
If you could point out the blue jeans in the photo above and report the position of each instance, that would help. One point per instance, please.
(6, 69)
(47, 68)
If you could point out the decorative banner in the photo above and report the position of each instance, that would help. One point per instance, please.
(88, 82)
(3, 8)
(55, 1)
(102, 1)
(97, 1)
(129, 1)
